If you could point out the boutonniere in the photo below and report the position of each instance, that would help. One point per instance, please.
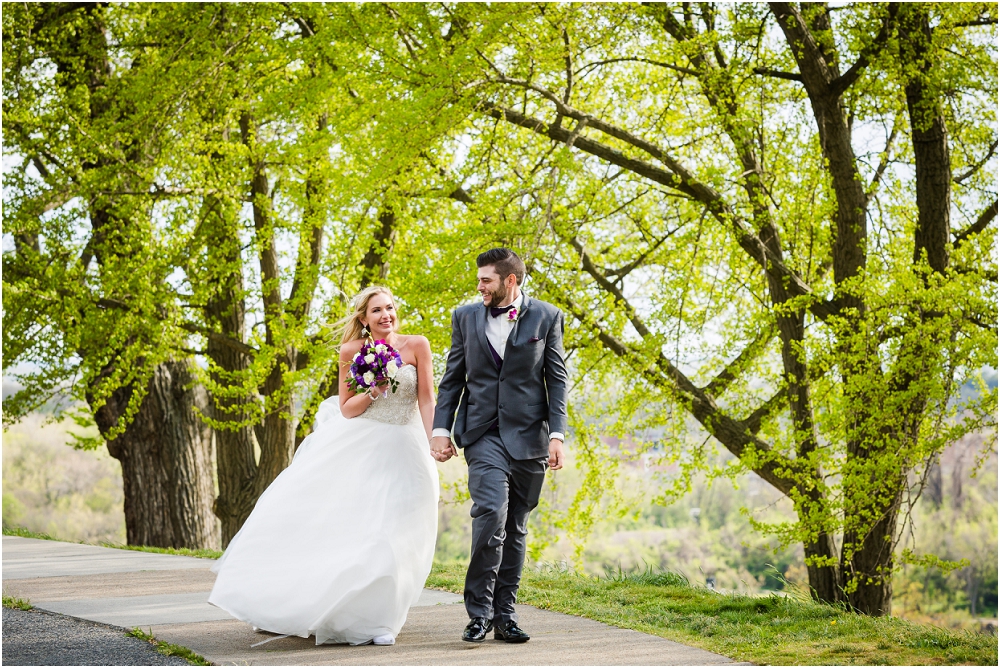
(513, 315)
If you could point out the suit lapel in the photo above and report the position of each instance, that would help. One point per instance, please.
(525, 303)
(481, 330)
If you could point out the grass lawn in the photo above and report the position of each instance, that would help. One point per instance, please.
(770, 630)
(183, 551)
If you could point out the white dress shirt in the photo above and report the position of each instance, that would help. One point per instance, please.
(498, 330)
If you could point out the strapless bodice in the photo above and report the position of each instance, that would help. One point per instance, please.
(397, 407)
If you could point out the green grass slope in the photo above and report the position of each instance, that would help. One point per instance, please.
(765, 630)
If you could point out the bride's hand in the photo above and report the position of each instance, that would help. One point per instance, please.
(377, 391)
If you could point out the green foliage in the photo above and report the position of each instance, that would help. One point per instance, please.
(640, 195)
(88, 439)
(168, 649)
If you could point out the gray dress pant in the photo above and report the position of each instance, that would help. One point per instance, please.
(504, 491)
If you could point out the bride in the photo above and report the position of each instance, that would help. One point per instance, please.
(340, 544)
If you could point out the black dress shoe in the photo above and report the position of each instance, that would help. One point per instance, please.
(510, 632)
(477, 629)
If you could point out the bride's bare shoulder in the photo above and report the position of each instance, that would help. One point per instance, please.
(417, 341)
(350, 348)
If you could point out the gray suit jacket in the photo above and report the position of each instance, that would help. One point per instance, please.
(528, 396)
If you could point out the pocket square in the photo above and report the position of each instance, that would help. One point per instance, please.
(534, 339)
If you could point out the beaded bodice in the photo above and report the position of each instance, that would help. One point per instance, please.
(398, 407)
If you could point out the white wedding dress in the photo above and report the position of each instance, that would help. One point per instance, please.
(340, 544)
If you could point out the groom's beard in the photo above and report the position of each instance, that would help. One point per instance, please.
(496, 296)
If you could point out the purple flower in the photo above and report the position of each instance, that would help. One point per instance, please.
(381, 355)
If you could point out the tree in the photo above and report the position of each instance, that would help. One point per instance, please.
(219, 137)
(314, 179)
(698, 187)
(76, 304)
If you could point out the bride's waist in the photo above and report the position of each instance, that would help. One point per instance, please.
(400, 413)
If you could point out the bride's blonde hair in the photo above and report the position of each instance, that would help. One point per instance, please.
(352, 326)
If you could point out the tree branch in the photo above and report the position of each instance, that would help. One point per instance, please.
(975, 22)
(648, 61)
(733, 434)
(985, 218)
(840, 85)
(976, 167)
(777, 74)
(683, 183)
(307, 263)
(754, 421)
(718, 385)
(232, 344)
(883, 162)
(622, 272)
(816, 71)
(568, 57)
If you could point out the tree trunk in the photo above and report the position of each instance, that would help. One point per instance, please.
(717, 84)
(934, 490)
(931, 154)
(276, 437)
(870, 566)
(824, 578)
(375, 265)
(167, 460)
(225, 314)
(972, 588)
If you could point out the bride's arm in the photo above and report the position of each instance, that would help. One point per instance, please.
(425, 383)
(351, 404)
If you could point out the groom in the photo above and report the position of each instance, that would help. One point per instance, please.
(503, 395)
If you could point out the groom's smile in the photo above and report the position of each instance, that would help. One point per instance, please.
(493, 290)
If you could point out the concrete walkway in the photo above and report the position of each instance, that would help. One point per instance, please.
(168, 595)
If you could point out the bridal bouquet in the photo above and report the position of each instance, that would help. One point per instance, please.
(376, 362)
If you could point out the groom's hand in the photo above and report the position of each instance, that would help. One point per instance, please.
(441, 448)
(555, 454)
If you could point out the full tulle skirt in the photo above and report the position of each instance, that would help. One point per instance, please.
(341, 543)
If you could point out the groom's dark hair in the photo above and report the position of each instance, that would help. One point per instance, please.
(505, 261)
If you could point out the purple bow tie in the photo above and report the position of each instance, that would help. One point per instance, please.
(495, 311)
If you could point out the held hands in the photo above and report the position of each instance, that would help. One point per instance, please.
(441, 448)
(555, 454)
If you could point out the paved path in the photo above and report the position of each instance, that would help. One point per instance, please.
(39, 638)
(168, 595)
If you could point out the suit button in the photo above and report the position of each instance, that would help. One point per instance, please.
(501, 406)
(501, 378)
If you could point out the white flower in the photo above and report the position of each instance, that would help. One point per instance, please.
(369, 378)
(391, 368)
(370, 358)
(380, 348)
